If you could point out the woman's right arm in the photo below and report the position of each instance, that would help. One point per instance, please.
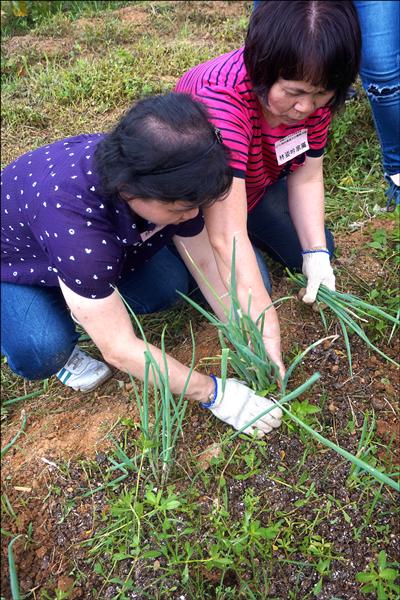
(108, 323)
(226, 221)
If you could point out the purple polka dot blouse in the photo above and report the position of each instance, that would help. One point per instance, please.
(56, 224)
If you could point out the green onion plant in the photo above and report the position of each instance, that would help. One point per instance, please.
(161, 415)
(10, 444)
(350, 312)
(243, 350)
(14, 584)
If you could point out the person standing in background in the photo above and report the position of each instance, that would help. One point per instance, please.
(380, 75)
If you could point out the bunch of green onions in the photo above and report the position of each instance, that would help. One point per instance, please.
(350, 311)
(243, 351)
(161, 415)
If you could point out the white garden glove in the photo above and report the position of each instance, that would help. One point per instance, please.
(318, 270)
(239, 405)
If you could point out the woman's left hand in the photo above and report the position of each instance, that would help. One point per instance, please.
(273, 348)
(318, 270)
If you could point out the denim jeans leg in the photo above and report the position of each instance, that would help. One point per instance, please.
(153, 286)
(380, 73)
(271, 228)
(37, 332)
(262, 265)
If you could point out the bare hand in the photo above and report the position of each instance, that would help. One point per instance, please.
(273, 349)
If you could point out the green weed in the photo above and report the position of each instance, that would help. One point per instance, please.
(305, 410)
(380, 578)
(111, 31)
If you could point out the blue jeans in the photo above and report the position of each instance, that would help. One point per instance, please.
(271, 228)
(38, 334)
(380, 73)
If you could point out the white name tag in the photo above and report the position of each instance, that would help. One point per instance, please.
(290, 146)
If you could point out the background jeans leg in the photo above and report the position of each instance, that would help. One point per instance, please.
(380, 73)
(271, 228)
(153, 286)
(262, 265)
(38, 334)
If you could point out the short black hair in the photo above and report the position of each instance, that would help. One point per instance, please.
(318, 41)
(165, 148)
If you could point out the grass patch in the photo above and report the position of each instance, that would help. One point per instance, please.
(45, 17)
(353, 176)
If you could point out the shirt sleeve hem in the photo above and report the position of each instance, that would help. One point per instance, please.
(91, 293)
(314, 153)
(239, 173)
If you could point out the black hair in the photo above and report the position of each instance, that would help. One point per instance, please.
(318, 41)
(165, 148)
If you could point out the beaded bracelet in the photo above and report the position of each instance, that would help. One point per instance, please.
(211, 403)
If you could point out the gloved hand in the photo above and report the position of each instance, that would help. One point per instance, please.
(239, 404)
(318, 270)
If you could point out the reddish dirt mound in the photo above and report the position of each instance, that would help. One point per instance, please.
(132, 14)
(71, 429)
(49, 46)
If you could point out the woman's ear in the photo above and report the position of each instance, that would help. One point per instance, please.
(125, 195)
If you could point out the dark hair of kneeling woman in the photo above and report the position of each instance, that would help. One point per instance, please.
(165, 148)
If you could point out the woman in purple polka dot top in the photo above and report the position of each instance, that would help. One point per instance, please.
(92, 219)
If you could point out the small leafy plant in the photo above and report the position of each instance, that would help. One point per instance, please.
(380, 579)
(305, 411)
(379, 242)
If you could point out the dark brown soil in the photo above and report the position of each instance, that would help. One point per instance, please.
(71, 429)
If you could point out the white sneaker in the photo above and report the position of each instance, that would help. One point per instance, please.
(82, 372)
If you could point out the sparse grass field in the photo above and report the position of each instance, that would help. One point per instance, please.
(281, 518)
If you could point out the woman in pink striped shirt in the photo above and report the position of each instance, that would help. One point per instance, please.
(272, 102)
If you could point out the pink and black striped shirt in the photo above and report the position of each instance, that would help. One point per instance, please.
(224, 86)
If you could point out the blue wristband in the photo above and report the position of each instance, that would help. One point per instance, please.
(314, 251)
(212, 402)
